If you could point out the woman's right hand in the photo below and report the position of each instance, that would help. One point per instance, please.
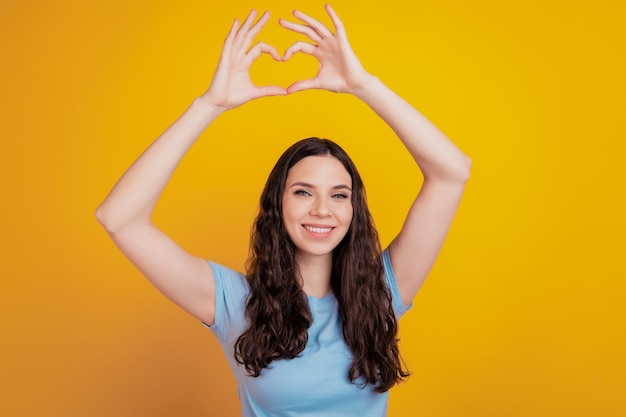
(231, 85)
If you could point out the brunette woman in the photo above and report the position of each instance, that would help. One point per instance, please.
(311, 328)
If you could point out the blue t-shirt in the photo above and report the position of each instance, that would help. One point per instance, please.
(313, 384)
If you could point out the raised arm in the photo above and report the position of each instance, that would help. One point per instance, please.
(444, 166)
(126, 212)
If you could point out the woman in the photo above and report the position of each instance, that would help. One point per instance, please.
(311, 329)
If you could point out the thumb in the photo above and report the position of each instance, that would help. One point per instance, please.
(269, 90)
(311, 83)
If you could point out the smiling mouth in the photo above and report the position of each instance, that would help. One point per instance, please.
(319, 230)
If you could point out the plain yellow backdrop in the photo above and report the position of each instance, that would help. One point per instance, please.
(523, 314)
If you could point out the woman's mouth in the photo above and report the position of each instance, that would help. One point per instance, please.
(318, 230)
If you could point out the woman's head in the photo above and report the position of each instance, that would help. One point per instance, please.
(307, 156)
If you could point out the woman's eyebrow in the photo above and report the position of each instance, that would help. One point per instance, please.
(307, 185)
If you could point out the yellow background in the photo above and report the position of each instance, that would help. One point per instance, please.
(523, 313)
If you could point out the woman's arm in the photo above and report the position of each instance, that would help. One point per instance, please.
(126, 212)
(445, 167)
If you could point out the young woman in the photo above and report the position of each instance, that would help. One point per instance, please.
(311, 328)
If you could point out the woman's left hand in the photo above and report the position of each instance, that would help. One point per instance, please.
(340, 70)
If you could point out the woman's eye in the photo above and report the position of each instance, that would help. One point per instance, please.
(341, 196)
(302, 192)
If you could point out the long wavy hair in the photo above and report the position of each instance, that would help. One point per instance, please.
(277, 308)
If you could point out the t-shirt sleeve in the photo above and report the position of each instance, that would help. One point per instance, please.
(398, 305)
(231, 290)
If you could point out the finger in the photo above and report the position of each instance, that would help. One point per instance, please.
(228, 41)
(302, 85)
(269, 90)
(262, 48)
(337, 23)
(322, 30)
(243, 30)
(233, 31)
(305, 30)
(254, 30)
(300, 46)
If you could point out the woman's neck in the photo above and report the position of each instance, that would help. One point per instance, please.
(315, 272)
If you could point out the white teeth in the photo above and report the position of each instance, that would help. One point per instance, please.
(318, 229)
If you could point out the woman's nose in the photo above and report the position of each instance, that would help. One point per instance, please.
(320, 207)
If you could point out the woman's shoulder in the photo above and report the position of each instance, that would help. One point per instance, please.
(399, 307)
(231, 291)
(228, 282)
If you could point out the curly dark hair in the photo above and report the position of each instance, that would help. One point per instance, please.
(277, 308)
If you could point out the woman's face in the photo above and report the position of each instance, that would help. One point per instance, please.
(317, 205)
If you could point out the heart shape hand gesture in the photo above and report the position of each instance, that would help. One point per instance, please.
(339, 68)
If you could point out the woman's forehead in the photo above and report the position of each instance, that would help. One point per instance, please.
(319, 169)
